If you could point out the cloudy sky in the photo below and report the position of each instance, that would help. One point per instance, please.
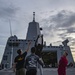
(56, 17)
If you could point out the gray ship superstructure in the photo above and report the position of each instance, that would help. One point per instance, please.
(50, 54)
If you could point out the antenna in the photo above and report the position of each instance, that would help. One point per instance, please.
(10, 27)
(11, 52)
(33, 16)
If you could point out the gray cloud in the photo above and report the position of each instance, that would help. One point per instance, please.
(7, 10)
(62, 21)
(60, 24)
(71, 30)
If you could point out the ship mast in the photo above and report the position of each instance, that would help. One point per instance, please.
(11, 52)
(33, 16)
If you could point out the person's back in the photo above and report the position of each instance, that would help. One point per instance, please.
(31, 63)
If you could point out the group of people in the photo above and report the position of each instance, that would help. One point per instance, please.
(28, 65)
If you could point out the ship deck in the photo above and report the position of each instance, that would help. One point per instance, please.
(46, 71)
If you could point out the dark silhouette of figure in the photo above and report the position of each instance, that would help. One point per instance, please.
(38, 52)
(39, 46)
